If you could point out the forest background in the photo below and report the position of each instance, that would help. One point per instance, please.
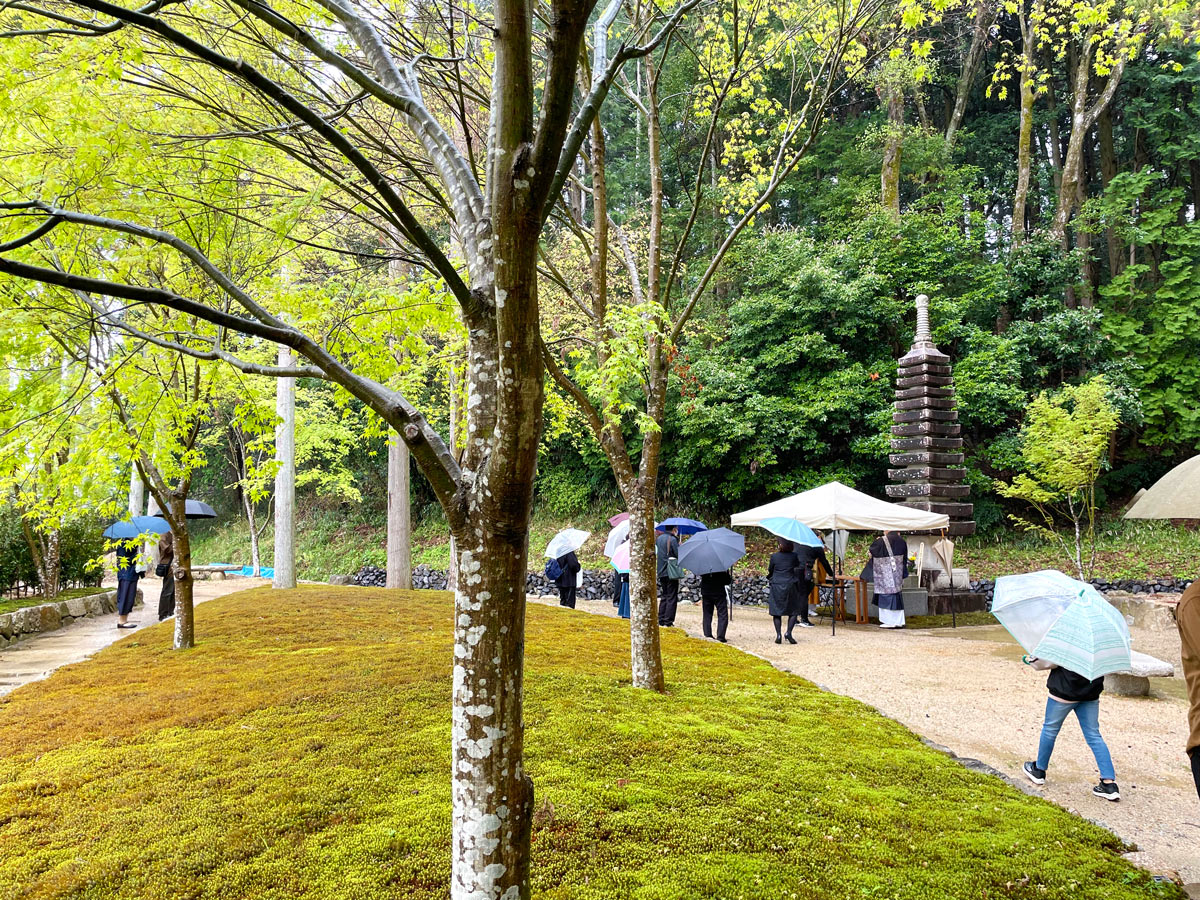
(943, 169)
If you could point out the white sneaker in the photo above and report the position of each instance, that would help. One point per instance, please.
(805, 624)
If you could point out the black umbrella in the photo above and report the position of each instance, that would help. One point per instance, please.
(195, 509)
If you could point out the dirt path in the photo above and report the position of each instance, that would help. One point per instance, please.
(968, 690)
(35, 658)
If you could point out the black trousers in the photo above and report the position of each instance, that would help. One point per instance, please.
(1194, 753)
(668, 600)
(566, 596)
(721, 606)
(166, 599)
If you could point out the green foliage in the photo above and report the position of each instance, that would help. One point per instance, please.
(80, 545)
(310, 759)
(562, 493)
(1064, 443)
(1152, 308)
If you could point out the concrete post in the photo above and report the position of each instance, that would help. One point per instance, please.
(399, 516)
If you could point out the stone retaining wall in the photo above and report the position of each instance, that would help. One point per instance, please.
(30, 620)
(747, 589)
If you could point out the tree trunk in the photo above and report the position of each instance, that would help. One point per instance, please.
(455, 391)
(181, 571)
(285, 478)
(893, 142)
(984, 16)
(1025, 135)
(399, 516)
(137, 493)
(1108, 171)
(644, 646)
(255, 555)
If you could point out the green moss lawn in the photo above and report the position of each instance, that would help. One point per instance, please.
(301, 751)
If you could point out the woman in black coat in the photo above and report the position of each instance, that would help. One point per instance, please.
(784, 572)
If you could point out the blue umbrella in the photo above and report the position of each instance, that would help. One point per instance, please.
(128, 529)
(712, 551)
(685, 526)
(792, 529)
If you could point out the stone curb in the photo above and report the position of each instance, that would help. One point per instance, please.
(32, 620)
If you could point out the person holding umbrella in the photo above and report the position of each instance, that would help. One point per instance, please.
(1068, 627)
(563, 567)
(127, 581)
(166, 556)
(784, 575)
(666, 548)
(711, 554)
(809, 558)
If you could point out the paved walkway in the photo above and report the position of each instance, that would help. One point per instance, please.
(35, 658)
(967, 690)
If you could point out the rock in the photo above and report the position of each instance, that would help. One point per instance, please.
(6, 625)
(94, 605)
(50, 617)
(61, 606)
(76, 608)
(339, 580)
(27, 620)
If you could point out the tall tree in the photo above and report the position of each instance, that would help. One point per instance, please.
(759, 91)
(325, 109)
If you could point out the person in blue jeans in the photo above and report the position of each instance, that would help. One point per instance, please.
(1072, 693)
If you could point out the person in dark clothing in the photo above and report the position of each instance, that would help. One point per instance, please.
(623, 599)
(809, 558)
(1071, 692)
(127, 580)
(889, 567)
(616, 586)
(784, 573)
(666, 546)
(713, 596)
(166, 556)
(567, 580)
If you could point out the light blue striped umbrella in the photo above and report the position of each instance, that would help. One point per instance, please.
(1063, 621)
(792, 529)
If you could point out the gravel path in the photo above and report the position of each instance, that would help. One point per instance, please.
(35, 658)
(967, 689)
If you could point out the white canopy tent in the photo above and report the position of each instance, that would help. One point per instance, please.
(835, 506)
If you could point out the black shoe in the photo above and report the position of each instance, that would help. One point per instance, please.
(1033, 773)
(129, 625)
(778, 639)
(722, 640)
(1107, 790)
(789, 639)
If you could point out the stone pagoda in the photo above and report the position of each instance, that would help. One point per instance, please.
(925, 436)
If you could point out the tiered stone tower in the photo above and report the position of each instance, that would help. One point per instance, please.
(925, 436)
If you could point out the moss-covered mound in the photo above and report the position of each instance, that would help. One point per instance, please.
(302, 751)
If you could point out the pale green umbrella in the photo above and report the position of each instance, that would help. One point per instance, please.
(1063, 621)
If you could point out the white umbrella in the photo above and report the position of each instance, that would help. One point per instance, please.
(1063, 621)
(566, 541)
(616, 538)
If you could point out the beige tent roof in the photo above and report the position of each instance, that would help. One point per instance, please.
(1174, 496)
(834, 505)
